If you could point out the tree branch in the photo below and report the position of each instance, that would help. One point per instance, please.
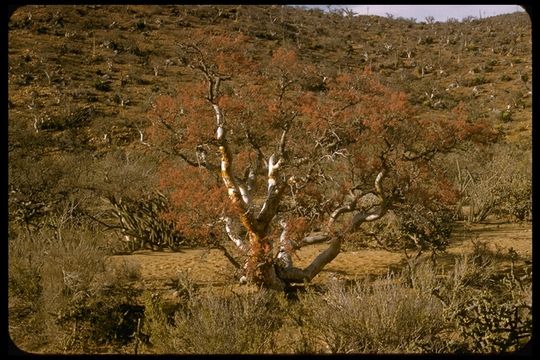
(283, 142)
(233, 235)
(228, 255)
(312, 238)
(274, 193)
(239, 197)
(375, 212)
(206, 165)
(296, 275)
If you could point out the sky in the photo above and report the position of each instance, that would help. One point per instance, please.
(439, 12)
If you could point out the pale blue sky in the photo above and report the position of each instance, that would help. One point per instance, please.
(439, 12)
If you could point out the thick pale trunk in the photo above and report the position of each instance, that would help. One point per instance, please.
(297, 275)
(291, 274)
(270, 278)
(260, 266)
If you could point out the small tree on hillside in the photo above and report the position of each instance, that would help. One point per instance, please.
(273, 166)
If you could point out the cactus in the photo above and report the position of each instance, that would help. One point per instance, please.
(141, 223)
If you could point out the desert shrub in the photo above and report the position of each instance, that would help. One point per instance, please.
(143, 224)
(517, 202)
(214, 324)
(498, 181)
(105, 313)
(413, 228)
(488, 311)
(25, 267)
(428, 230)
(39, 259)
(498, 319)
(506, 116)
(298, 336)
(489, 326)
(385, 316)
(102, 85)
(439, 311)
(62, 292)
(475, 81)
(183, 286)
(76, 119)
(470, 273)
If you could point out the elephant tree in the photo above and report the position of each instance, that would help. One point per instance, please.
(276, 156)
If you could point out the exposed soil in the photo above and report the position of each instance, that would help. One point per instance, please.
(211, 268)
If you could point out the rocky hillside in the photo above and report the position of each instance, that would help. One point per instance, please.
(81, 79)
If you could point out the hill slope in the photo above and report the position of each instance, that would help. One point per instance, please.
(82, 78)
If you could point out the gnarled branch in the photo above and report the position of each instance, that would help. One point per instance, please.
(292, 274)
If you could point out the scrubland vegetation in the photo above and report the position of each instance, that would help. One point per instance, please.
(356, 131)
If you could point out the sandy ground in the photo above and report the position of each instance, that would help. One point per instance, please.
(210, 267)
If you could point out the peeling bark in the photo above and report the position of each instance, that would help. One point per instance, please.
(313, 238)
(296, 275)
(276, 189)
(239, 197)
(285, 246)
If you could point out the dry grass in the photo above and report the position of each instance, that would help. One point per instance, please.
(209, 324)
(80, 303)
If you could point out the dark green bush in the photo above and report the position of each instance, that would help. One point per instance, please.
(102, 85)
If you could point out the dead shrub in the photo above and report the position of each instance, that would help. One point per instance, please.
(385, 316)
(215, 325)
(62, 291)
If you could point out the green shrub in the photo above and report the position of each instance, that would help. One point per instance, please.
(506, 116)
(490, 325)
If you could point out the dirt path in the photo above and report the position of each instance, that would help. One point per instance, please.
(210, 267)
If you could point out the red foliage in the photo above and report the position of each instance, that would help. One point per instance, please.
(285, 62)
(197, 196)
(298, 228)
(344, 136)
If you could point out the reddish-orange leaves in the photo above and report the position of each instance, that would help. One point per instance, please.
(197, 196)
(285, 61)
(341, 133)
(298, 228)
